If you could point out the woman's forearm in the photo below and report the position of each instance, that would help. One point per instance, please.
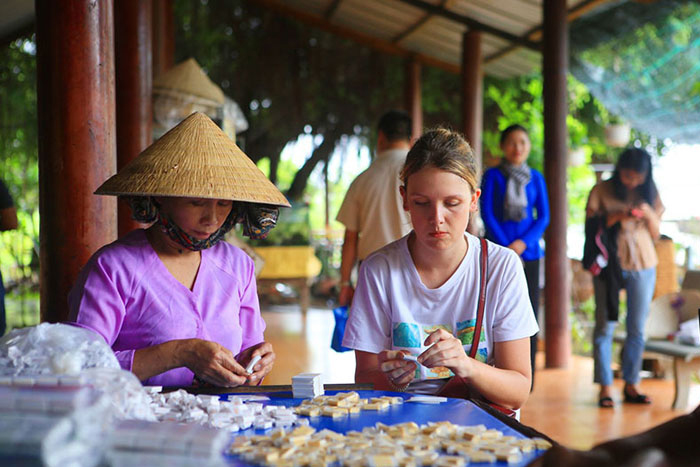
(653, 223)
(375, 377)
(504, 387)
(508, 388)
(157, 359)
(210, 361)
(368, 369)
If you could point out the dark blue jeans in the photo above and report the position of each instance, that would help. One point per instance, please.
(532, 276)
(640, 290)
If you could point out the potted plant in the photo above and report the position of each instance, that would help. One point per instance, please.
(577, 156)
(617, 133)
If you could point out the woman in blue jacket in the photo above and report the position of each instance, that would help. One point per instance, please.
(515, 210)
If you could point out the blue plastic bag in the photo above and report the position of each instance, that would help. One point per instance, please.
(341, 317)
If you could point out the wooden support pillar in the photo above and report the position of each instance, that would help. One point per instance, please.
(557, 297)
(472, 106)
(473, 92)
(413, 95)
(163, 36)
(134, 79)
(76, 117)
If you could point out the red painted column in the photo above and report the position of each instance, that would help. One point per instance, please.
(413, 95)
(75, 91)
(557, 302)
(163, 36)
(473, 107)
(134, 82)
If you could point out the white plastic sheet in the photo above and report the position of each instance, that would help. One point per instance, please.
(53, 349)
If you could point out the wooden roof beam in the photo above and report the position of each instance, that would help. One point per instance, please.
(472, 23)
(535, 34)
(415, 26)
(378, 44)
(412, 28)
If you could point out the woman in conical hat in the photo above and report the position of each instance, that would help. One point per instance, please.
(173, 301)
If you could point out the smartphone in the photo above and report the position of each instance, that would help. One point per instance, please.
(636, 212)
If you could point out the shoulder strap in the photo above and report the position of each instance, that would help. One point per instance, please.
(483, 271)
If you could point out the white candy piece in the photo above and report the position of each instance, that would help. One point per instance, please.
(235, 414)
(404, 445)
(427, 399)
(253, 361)
(412, 358)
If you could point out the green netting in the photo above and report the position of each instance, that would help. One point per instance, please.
(643, 62)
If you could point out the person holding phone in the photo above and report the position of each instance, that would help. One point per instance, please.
(630, 205)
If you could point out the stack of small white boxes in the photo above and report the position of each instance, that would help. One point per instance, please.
(56, 420)
(307, 385)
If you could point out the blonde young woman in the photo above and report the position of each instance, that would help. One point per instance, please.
(419, 295)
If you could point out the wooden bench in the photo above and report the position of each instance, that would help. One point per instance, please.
(686, 361)
(293, 265)
(665, 314)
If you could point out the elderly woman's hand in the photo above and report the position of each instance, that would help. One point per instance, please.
(212, 363)
(398, 371)
(263, 366)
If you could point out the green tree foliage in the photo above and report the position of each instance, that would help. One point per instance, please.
(289, 77)
(519, 100)
(18, 156)
(285, 76)
(642, 61)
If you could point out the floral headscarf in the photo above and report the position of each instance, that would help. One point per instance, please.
(256, 219)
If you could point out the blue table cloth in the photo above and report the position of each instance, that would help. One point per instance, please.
(457, 411)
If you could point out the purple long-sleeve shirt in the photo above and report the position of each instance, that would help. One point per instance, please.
(126, 294)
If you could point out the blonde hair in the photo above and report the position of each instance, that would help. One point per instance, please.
(443, 149)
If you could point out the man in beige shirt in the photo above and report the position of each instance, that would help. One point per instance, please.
(372, 211)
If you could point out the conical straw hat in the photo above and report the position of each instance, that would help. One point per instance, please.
(188, 78)
(194, 160)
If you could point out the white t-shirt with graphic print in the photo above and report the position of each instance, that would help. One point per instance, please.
(393, 309)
